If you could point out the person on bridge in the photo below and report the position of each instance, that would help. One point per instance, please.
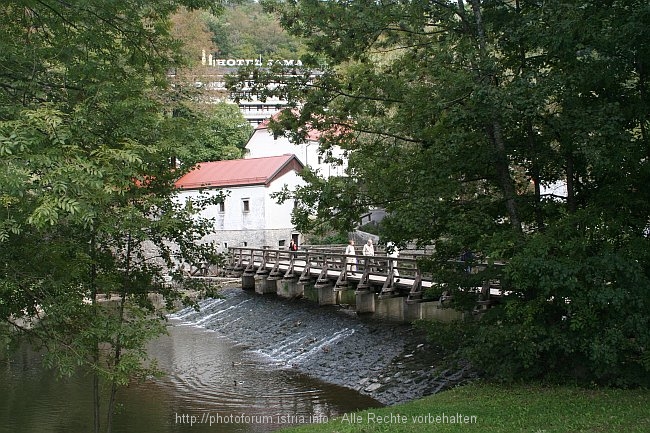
(368, 251)
(368, 248)
(393, 252)
(351, 259)
(293, 246)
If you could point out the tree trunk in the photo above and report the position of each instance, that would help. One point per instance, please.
(93, 296)
(117, 344)
(494, 129)
(535, 175)
(503, 175)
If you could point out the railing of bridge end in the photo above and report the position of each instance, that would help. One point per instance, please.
(250, 268)
(237, 259)
(230, 265)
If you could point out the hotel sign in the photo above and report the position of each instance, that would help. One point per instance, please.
(213, 61)
(256, 62)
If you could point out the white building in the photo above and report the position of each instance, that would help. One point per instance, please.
(263, 144)
(249, 216)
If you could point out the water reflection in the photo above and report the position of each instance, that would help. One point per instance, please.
(209, 381)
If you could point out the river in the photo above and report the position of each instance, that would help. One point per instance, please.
(211, 385)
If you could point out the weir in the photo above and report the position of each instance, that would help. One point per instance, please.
(382, 359)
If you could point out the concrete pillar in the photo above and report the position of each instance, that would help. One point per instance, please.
(263, 285)
(326, 294)
(248, 282)
(412, 311)
(433, 311)
(391, 308)
(289, 288)
(365, 301)
(309, 291)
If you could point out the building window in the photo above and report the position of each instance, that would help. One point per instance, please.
(222, 207)
(281, 243)
(246, 207)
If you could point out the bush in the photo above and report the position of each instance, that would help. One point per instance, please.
(578, 310)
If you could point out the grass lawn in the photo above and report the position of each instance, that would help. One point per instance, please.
(503, 408)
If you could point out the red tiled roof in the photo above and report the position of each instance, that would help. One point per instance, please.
(239, 172)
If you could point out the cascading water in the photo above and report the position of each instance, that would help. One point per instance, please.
(328, 343)
(298, 334)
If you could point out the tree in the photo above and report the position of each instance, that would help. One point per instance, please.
(219, 131)
(88, 225)
(476, 107)
(191, 27)
(246, 31)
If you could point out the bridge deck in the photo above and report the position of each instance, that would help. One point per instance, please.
(385, 275)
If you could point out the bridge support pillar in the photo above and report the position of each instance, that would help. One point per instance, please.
(263, 285)
(326, 293)
(365, 301)
(248, 282)
(412, 311)
(289, 288)
(392, 308)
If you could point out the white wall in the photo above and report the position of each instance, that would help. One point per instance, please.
(266, 221)
(262, 144)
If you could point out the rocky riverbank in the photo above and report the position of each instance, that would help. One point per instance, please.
(390, 362)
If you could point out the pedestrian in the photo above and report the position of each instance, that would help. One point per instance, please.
(293, 246)
(351, 258)
(368, 251)
(393, 252)
(368, 248)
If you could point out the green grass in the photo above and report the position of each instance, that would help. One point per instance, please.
(504, 408)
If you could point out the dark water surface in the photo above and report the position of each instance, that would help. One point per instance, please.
(212, 385)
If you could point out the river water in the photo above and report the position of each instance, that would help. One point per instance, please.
(212, 385)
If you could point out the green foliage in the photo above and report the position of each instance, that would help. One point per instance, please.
(454, 117)
(246, 31)
(219, 132)
(328, 239)
(87, 181)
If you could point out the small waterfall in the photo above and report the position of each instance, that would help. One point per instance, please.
(298, 334)
(187, 313)
(303, 345)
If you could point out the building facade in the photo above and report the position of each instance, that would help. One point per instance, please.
(249, 215)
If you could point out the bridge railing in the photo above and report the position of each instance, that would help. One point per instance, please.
(321, 264)
(387, 275)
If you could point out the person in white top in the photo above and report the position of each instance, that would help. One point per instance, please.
(368, 251)
(393, 252)
(351, 260)
(368, 248)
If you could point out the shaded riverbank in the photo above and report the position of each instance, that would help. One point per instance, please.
(389, 362)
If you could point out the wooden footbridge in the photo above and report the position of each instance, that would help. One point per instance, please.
(329, 270)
